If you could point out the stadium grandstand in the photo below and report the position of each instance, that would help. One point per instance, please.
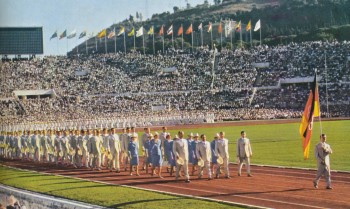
(261, 82)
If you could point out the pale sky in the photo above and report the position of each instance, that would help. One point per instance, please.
(79, 15)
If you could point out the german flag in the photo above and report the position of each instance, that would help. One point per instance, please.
(312, 109)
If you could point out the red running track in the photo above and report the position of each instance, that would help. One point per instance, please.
(270, 187)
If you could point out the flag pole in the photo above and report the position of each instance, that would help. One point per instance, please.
(172, 37)
(231, 38)
(250, 31)
(202, 36)
(211, 36)
(221, 37)
(153, 39)
(163, 38)
(115, 41)
(240, 33)
(106, 42)
(124, 43)
(86, 48)
(260, 32)
(192, 37)
(96, 42)
(143, 42)
(134, 39)
(77, 46)
(319, 104)
(182, 38)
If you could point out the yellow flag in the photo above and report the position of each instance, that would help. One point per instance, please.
(102, 33)
(150, 31)
(249, 26)
(131, 33)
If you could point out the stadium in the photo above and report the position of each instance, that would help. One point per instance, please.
(195, 83)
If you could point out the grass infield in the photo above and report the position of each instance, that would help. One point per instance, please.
(99, 194)
(280, 144)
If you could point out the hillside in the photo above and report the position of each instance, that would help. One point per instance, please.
(282, 21)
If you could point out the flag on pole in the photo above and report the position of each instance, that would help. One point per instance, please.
(238, 26)
(228, 27)
(257, 26)
(111, 34)
(102, 33)
(64, 34)
(200, 27)
(312, 109)
(131, 33)
(121, 31)
(161, 30)
(170, 30)
(180, 31)
(209, 27)
(139, 32)
(150, 31)
(82, 34)
(220, 28)
(54, 35)
(189, 29)
(72, 34)
(248, 27)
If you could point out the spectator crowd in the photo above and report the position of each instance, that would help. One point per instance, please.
(210, 86)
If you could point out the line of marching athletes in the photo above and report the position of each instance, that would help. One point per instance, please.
(96, 150)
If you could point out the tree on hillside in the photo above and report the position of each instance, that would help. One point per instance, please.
(217, 2)
(131, 18)
(176, 9)
(206, 3)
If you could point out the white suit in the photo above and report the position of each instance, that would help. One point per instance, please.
(114, 146)
(203, 151)
(221, 149)
(322, 151)
(105, 144)
(244, 152)
(96, 143)
(36, 146)
(180, 149)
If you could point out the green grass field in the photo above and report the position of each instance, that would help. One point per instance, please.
(99, 194)
(280, 144)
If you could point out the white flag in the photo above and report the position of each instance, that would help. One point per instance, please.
(72, 34)
(139, 32)
(257, 26)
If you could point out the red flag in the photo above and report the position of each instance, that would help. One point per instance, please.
(161, 31)
(180, 31)
(189, 30)
(220, 28)
(312, 109)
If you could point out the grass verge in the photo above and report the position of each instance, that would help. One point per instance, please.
(111, 196)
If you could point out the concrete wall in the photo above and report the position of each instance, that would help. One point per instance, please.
(39, 201)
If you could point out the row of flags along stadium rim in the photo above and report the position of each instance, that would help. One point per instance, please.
(229, 25)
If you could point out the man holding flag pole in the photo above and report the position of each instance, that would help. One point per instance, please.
(322, 149)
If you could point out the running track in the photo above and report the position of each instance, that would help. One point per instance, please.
(270, 187)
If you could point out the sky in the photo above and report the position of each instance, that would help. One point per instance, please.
(79, 15)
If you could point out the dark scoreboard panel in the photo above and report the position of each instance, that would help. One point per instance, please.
(21, 40)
